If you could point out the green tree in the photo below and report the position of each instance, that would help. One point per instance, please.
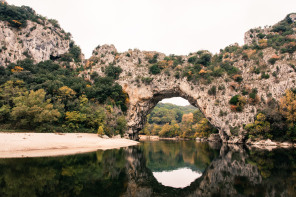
(121, 124)
(32, 109)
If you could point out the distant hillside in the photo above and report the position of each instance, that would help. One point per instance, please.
(166, 112)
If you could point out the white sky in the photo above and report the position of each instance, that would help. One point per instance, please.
(169, 26)
(176, 100)
(179, 178)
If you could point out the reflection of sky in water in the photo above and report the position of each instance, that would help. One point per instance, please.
(179, 178)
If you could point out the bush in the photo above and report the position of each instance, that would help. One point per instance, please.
(17, 16)
(289, 48)
(272, 60)
(237, 103)
(192, 59)
(234, 100)
(154, 69)
(212, 91)
(75, 51)
(230, 69)
(113, 71)
(153, 60)
(147, 80)
(264, 75)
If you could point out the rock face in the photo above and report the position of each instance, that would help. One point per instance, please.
(146, 90)
(214, 138)
(37, 41)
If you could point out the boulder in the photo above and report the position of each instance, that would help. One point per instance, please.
(214, 138)
(116, 137)
(105, 137)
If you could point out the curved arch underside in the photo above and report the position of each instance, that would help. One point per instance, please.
(145, 90)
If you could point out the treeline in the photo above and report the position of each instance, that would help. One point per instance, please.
(17, 16)
(276, 121)
(46, 97)
(168, 120)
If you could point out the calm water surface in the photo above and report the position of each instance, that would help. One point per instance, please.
(164, 168)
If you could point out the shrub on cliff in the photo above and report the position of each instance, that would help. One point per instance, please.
(113, 71)
(212, 91)
(237, 103)
(154, 69)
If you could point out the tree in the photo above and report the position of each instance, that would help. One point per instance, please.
(121, 124)
(66, 93)
(101, 131)
(288, 106)
(10, 90)
(187, 118)
(154, 69)
(32, 109)
(260, 128)
(202, 128)
(113, 71)
(74, 118)
(166, 131)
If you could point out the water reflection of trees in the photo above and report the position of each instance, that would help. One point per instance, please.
(80, 175)
(127, 172)
(165, 155)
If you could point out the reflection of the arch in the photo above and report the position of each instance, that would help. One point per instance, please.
(234, 171)
(177, 164)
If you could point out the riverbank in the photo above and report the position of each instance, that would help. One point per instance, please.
(14, 145)
(157, 138)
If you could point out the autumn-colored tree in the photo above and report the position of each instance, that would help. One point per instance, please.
(202, 128)
(288, 106)
(66, 93)
(155, 130)
(17, 69)
(101, 131)
(187, 118)
(260, 128)
(165, 131)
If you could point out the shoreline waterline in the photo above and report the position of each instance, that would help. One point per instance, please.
(19, 145)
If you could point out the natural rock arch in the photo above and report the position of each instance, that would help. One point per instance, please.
(137, 113)
(145, 89)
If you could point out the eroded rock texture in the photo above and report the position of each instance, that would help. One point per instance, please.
(145, 90)
(40, 42)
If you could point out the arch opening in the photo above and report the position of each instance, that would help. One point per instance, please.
(189, 123)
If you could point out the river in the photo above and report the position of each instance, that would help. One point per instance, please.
(162, 168)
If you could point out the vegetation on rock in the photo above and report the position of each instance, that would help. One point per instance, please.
(47, 97)
(168, 120)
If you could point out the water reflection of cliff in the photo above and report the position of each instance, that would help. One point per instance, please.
(229, 171)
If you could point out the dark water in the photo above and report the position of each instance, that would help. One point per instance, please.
(155, 169)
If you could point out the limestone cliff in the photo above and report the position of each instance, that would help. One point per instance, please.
(145, 89)
(42, 39)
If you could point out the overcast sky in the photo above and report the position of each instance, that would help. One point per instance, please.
(169, 26)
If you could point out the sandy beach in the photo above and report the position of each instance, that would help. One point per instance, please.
(14, 145)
